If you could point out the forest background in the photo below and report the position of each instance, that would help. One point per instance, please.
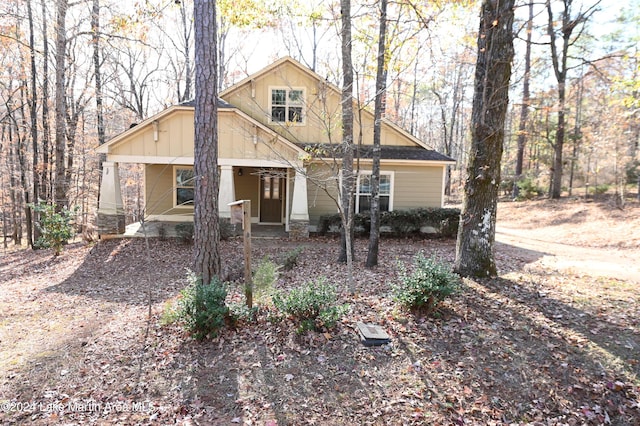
(75, 74)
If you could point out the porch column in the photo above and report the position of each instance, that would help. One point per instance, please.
(110, 208)
(227, 193)
(299, 217)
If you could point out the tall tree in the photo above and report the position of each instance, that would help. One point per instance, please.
(524, 108)
(476, 234)
(559, 59)
(61, 185)
(381, 83)
(97, 68)
(348, 177)
(33, 232)
(206, 226)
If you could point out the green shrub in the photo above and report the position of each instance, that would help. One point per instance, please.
(312, 306)
(240, 313)
(403, 223)
(56, 229)
(201, 307)
(426, 286)
(264, 277)
(184, 231)
(289, 260)
(600, 189)
(528, 189)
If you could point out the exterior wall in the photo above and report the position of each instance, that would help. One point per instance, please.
(413, 187)
(175, 133)
(159, 194)
(323, 113)
(247, 187)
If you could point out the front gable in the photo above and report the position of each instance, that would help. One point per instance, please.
(320, 121)
(168, 138)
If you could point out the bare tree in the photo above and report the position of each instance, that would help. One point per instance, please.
(348, 177)
(568, 24)
(476, 234)
(381, 82)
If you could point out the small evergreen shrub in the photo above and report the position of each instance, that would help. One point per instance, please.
(201, 307)
(56, 229)
(600, 189)
(312, 306)
(264, 277)
(403, 223)
(426, 286)
(528, 189)
(289, 260)
(184, 231)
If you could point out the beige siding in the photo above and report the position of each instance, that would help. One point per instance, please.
(247, 187)
(322, 121)
(413, 187)
(416, 186)
(159, 193)
(174, 138)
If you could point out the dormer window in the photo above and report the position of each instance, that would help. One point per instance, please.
(287, 105)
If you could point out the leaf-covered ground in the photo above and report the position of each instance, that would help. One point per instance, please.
(81, 340)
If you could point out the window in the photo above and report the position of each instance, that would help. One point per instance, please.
(287, 105)
(363, 192)
(270, 188)
(184, 183)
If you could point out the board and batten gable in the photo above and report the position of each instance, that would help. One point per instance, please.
(322, 117)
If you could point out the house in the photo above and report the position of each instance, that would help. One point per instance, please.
(279, 137)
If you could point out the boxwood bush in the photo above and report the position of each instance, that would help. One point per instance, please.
(401, 223)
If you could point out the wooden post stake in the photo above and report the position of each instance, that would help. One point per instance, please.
(241, 213)
(246, 227)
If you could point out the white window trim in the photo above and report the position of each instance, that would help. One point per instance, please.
(304, 105)
(175, 189)
(368, 173)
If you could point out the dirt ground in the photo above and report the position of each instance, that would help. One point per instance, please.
(554, 340)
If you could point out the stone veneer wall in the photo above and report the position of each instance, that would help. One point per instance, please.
(298, 230)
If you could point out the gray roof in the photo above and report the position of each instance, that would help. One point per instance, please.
(387, 152)
(221, 103)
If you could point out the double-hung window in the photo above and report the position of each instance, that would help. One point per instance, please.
(363, 192)
(287, 105)
(184, 182)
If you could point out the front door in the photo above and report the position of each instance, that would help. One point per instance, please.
(271, 196)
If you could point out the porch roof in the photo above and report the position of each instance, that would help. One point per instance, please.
(387, 152)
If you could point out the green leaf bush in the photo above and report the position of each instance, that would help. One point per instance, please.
(56, 229)
(201, 308)
(312, 306)
(426, 286)
(401, 223)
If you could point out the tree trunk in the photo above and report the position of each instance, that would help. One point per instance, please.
(206, 225)
(476, 235)
(381, 82)
(524, 108)
(348, 178)
(32, 216)
(97, 73)
(61, 185)
(45, 187)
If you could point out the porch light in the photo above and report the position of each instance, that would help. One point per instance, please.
(156, 124)
(240, 171)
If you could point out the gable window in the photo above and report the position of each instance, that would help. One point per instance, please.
(287, 105)
(184, 182)
(363, 192)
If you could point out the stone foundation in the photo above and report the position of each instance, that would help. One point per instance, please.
(298, 230)
(110, 223)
